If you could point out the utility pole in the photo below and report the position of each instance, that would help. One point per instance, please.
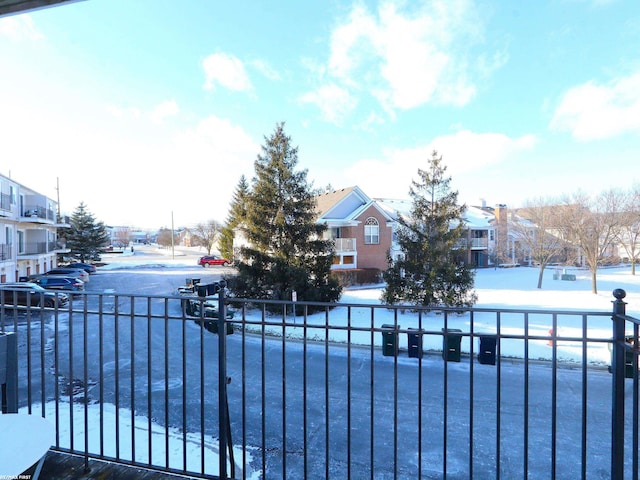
(58, 195)
(173, 254)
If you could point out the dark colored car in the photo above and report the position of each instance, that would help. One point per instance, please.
(210, 260)
(69, 272)
(54, 282)
(28, 293)
(87, 267)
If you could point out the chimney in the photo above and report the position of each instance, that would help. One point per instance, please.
(500, 211)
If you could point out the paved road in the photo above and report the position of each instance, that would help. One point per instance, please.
(360, 408)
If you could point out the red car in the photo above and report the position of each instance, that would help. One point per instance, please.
(210, 260)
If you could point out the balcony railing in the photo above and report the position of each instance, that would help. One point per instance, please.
(345, 244)
(37, 248)
(38, 213)
(5, 202)
(6, 251)
(333, 394)
(472, 243)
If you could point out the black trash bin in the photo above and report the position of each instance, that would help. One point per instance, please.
(201, 290)
(487, 352)
(628, 359)
(389, 340)
(414, 342)
(451, 339)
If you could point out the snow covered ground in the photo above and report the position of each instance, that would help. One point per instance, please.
(502, 288)
(509, 288)
(496, 288)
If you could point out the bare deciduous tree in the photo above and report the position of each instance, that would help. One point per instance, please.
(123, 236)
(629, 234)
(206, 234)
(165, 237)
(537, 228)
(593, 225)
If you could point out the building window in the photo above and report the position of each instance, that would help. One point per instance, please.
(21, 247)
(491, 235)
(371, 231)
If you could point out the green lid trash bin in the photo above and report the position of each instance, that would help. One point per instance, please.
(390, 340)
(487, 353)
(414, 342)
(628, 358)
(451, 339)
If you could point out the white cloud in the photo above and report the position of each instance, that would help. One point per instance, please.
(333, 101)
(157, 114)
(19, 27)
(462, 152)
(121, 112)
(219, 137)
(227, 71)
(407, 56)
(593, 111)
(265, 69)
(164, 110)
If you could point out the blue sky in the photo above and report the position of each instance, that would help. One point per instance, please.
(143, 108)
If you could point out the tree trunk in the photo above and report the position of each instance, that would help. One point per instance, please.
(594, 285)
(540, 275)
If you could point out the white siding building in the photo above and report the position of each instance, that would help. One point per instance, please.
(28, 231)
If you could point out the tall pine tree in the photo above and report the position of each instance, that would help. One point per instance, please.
(285, 251)
(237, 214)
(85, 236)
(431, 271)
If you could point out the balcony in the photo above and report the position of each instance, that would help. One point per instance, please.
(472, 243)
(343, 245)
(39, 248)
(5, 204)
(134, 381)
(6, 251)
(38, 214)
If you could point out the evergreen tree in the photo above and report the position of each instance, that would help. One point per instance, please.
(285, 251)
(85, 237)
(431, 271)
(237, 214)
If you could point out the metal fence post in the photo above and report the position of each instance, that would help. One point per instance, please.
(618, 371)
(222, 382)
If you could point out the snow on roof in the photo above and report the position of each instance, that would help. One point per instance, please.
(394, 206)
(478, 218)
(474, 217)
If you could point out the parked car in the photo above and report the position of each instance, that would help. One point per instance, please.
(210, 260)
(68, 272)
(55, 282)
(29, 293)
(87, 267)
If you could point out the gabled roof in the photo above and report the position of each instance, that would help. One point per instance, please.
(395, 207)
(325, 202)
(474, 217)
(478, 218)
(345, 204)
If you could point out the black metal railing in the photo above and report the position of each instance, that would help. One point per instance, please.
(6, 250)
(249, 389)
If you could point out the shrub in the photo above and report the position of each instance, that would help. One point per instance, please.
(357, 276)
